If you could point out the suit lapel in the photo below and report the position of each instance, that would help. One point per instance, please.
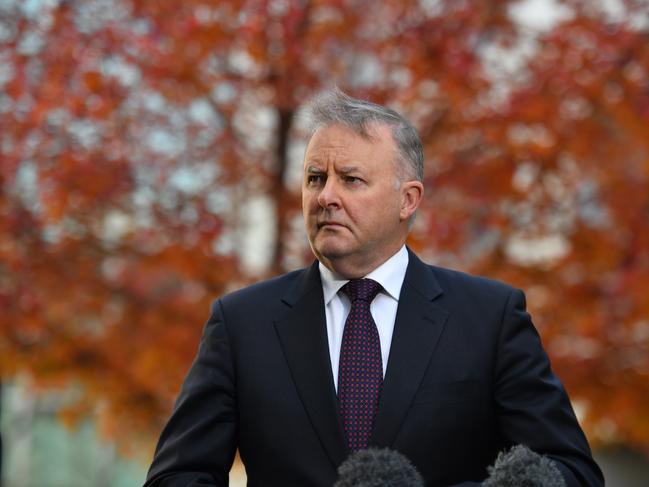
(302, 332)
(417, 329)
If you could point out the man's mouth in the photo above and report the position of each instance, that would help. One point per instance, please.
(329, 224)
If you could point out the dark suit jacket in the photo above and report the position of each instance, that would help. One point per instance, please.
(466, 377)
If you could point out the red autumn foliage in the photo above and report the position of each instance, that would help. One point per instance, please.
(133, 133)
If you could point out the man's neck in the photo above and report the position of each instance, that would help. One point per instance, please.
(344, 269)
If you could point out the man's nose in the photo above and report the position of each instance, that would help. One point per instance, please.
(329, 196)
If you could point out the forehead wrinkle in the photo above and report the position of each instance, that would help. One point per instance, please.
(334, 149)
(327, 157)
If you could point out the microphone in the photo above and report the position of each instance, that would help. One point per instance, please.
(521, 467)
(375, 467)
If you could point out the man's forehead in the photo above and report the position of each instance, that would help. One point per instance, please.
(319, 157)
(343, 149)
(335, 139)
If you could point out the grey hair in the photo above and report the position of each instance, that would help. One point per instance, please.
(335, 107)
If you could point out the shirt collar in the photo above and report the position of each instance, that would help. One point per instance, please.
(389, 275)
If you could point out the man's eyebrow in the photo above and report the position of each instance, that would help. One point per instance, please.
(312, 168)
(348, 169)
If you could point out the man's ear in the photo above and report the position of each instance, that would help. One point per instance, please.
(411, 195)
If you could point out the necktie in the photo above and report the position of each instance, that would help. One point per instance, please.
(360, 371)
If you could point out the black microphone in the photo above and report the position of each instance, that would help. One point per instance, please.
(521, 467)
(375, 467)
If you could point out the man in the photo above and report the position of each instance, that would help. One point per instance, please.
(368, 346)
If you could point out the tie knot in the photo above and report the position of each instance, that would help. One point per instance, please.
(361, 289)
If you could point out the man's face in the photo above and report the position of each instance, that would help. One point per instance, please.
(352, 200)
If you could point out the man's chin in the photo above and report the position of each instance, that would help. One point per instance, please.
(330, 250)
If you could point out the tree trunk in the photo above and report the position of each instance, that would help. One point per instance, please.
(279, 192)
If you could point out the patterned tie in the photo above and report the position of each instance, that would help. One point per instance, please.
(360, 373)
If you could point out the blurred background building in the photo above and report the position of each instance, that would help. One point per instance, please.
(150, 160)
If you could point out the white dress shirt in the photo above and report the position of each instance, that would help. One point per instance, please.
(390, 276)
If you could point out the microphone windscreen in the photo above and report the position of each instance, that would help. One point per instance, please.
(521, 467)
(374, 467)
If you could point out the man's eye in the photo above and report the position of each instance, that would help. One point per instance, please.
(352, 179)
(314, 179)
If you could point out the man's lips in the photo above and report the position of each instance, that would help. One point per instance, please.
(330, 224)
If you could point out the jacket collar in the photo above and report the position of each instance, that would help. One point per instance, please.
(418, 326)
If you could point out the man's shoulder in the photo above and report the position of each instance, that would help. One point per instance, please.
(474, 296)
(455, 281)
(448, 275)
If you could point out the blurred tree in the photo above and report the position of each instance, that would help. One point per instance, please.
(137, 134)
(547, 186)
(108, 236)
